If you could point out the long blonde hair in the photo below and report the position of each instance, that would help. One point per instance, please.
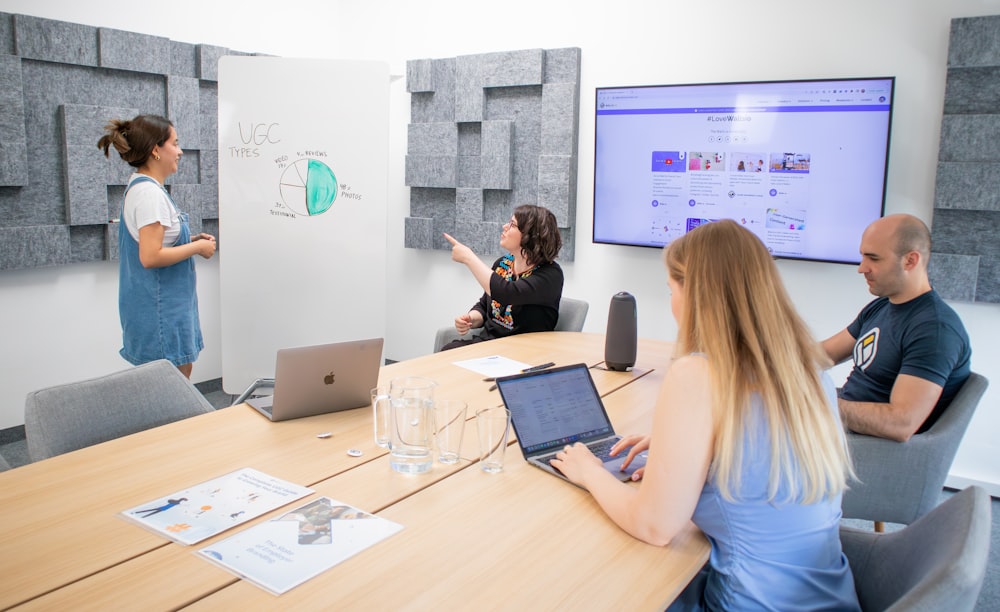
(740, 317)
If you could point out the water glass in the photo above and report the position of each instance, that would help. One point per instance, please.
(449, 417)
(380, 415)
(493, 426)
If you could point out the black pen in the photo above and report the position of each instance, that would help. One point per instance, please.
(538, 367)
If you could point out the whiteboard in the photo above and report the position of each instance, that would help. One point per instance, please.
(303, 158)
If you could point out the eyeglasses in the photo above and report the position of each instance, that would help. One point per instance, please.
(512, 223)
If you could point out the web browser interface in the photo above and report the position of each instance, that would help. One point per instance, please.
(801, 164)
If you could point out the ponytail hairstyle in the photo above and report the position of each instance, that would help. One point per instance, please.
(135, 139)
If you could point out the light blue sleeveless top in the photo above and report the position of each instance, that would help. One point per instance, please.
(772, 555)
(158, 307)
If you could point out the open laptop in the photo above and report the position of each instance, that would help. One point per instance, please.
(310, 380)
(552, 408)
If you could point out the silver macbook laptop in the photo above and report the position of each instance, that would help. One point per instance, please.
(552, 408)
(310, 380)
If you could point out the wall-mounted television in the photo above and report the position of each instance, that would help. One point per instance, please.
(802, 164)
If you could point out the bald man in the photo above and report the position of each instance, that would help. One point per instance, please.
(911, 352)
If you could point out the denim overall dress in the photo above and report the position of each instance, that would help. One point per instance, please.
(158, 306)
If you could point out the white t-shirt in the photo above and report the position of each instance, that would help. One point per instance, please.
(147, 203)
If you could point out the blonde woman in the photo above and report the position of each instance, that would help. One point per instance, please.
(746, 440)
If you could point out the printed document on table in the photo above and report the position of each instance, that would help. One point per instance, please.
(493, 366)
(200, 512)
(286, 551)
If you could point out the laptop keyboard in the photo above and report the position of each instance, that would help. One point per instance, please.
(601, 450)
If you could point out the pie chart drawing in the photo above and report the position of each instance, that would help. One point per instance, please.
(308, 187)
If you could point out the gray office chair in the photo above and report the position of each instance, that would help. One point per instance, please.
(67, 417)
(901, 481)
(572, 316)
(4, 466)
(936, 563)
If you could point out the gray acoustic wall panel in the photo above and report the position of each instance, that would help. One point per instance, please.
(184, 110)
(6, 34)
(207, 61)
(183, 59)
(419, 76)
(65, 81)
(131, 51)
(512, 68)
(417, 232)
(39, 245)
(55, 41)
(437, 104)
(517, 123)
(111, 241)
(469, 94)
(13, 139)
(965, 260)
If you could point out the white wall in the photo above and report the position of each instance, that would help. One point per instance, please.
(67, 317)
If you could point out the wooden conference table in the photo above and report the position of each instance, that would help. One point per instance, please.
(516, 540)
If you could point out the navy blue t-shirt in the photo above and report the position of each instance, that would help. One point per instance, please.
(923, 337)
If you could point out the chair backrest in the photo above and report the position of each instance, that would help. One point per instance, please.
(936, 563)
(4, 466)
(67, 417)
(572, 314)
(899, 482)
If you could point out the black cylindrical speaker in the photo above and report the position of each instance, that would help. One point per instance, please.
(620, 337)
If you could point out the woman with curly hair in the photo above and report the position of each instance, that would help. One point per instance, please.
(521, 289)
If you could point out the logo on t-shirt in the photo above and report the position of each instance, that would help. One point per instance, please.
(865, 349)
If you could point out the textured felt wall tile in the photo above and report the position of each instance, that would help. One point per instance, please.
(6, 34)
(86, 243)
(562, 65)
(417, 233)
(974, 41)
(208, 161)
(969, 138)
(419, 76)
(968, 186)
(431, 170)
(13, 140)
(559, 119)
(55, 41)
(111, 241)
(438, 104)
(954, 276)
(184, 111)
(555, 174)
(972, 91)
(207, 58)
(35, 246)
(512, 68)
(468, 88)
(133, 51)
(437, 139)
(183, 59)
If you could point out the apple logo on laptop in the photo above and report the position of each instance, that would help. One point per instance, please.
(328, 379)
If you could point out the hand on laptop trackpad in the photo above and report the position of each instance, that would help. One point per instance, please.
(614, 464)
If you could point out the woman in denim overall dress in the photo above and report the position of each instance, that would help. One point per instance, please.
(157, 299)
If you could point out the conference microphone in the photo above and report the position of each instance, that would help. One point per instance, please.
(620, 337)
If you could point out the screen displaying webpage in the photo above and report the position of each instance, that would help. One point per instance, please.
(801, 164)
